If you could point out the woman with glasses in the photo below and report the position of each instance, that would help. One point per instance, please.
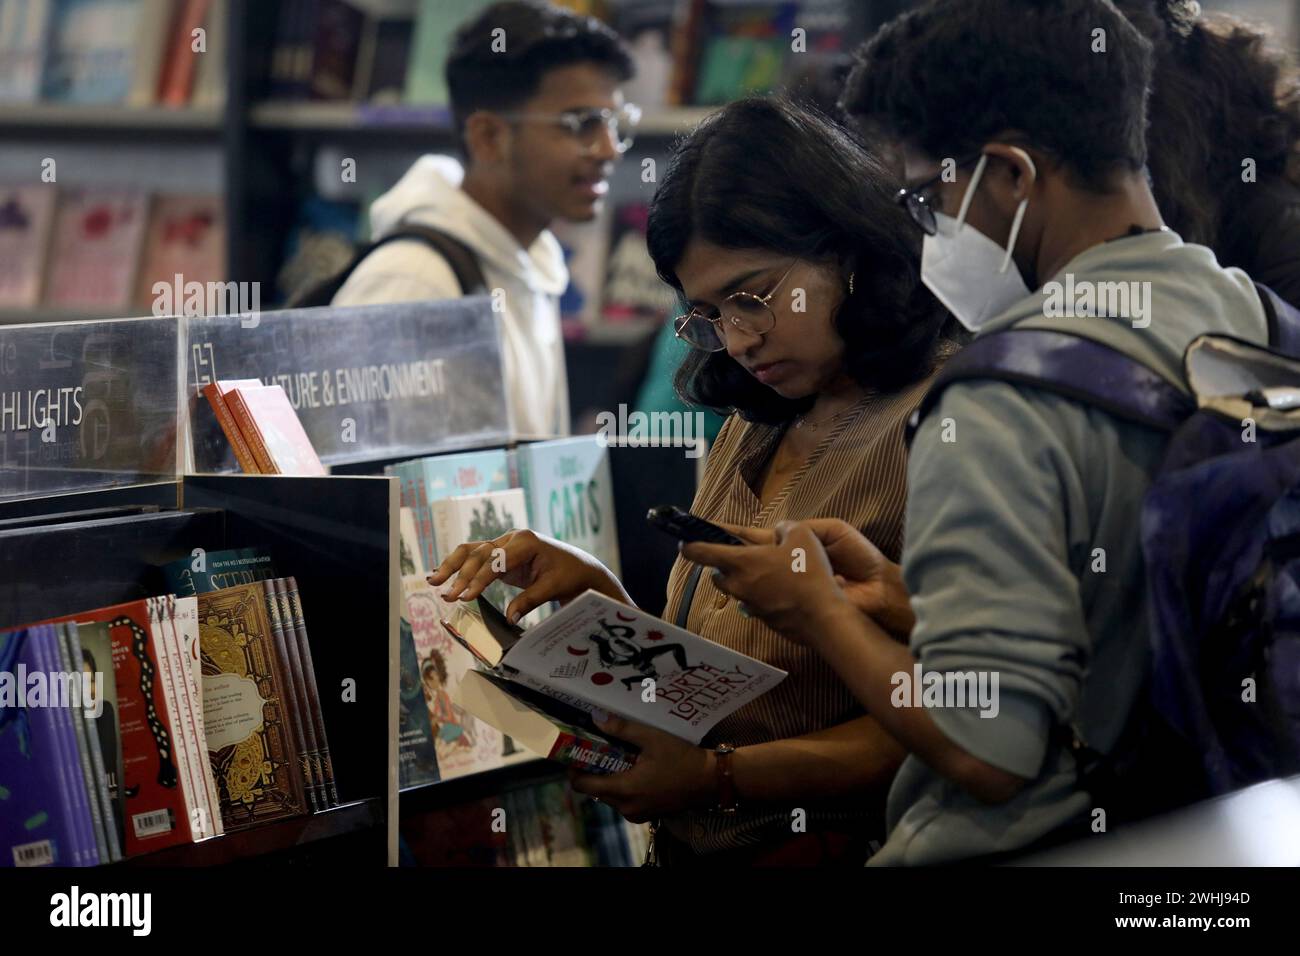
(809, 326)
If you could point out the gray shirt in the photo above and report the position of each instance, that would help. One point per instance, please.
(1010, 523)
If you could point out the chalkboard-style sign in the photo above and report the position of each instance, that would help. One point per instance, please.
(367, 382)
(87, 405)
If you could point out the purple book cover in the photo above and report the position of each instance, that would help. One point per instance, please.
(73, 783)
(35, 823)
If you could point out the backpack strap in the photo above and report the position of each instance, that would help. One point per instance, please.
(462, 260)
(1283, 322)
(1069, 365)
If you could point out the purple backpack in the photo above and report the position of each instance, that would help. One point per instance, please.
(1220, 534)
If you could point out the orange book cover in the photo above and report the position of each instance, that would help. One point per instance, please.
(215, 393)
(182, 63)
(273, 431)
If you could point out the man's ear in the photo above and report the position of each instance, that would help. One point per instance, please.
(1011, 174)
(486, 138)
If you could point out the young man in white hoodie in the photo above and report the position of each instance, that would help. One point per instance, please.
(539, 114)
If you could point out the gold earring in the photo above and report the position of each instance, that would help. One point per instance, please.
(851, 275)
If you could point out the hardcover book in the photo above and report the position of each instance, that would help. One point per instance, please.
(596, 653)
(272, 429)
(215, 393)
(249, 739)
(308, 669)
(92, 781)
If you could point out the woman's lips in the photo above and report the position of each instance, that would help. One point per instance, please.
(770, 372)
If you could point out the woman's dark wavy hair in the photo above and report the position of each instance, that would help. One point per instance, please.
(763, 173)
(1220, 93)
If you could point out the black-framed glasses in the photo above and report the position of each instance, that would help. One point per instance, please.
(587, 126)
(746, 311)
(919, 205)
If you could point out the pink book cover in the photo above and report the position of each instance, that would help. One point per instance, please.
(186, 237)
(26, 214)
(281, 434)
(97, 239)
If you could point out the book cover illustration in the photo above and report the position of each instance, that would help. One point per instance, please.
(91, 53)
(463, 743)
(481, 517)
(597, 653)
(96, 247)
(444, 476)
(570, 494)
(417, 753)
(26, 216)
(248, 739)
(186, 237)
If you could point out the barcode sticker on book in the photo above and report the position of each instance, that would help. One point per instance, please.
(34, 854)
(152, 823)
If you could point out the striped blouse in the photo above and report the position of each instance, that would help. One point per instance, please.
(857, 472)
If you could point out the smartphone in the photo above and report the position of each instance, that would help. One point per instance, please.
(687, 527)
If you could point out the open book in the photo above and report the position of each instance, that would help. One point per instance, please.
(599, 654)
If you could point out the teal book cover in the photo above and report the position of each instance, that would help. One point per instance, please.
(464, 473)
(214, 570)
(567, 486)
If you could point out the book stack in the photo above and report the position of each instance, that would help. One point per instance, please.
(107, 249)
(262, 428)
(134, 53)
(163, 721)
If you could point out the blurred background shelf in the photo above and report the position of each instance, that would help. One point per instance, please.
(90, 119)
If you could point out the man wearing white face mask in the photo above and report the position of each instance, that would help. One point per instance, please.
(1024, 151)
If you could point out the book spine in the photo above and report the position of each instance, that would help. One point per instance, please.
(444, 522)
(165, 655)
(243, 453)
(45, 727)
(181, 627)
(248, 426)
(307, 722)
(178, 75)
(293, 712)
(183, 620)
(523, 474)
(424, 513)
(76, 712)
(64, 750)
(313, 692)
(97, 759)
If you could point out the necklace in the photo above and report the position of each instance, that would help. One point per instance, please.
(812, 426)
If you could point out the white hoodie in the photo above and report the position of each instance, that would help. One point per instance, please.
(532, 280)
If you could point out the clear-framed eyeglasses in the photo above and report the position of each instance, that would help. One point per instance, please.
(587, 126)
(746, 311)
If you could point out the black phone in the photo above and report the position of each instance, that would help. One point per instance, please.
(687, 527)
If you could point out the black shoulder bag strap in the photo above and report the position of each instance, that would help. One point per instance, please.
(462, 260)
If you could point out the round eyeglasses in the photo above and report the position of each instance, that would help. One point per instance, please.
(588, 126)
(745, 311)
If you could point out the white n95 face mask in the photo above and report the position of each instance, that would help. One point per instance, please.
(966, 270)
